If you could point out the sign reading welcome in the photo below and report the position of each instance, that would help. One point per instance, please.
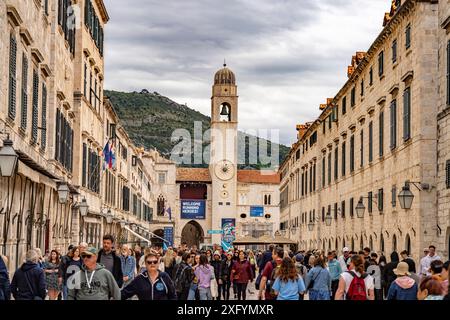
(192, 209)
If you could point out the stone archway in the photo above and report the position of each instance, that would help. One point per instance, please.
(192, 234)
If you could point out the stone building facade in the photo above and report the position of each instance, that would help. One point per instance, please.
(377, 134)
(53, 110)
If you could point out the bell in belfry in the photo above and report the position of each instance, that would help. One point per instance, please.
(224, 111)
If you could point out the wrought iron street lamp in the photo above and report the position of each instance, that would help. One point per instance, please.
(406, 197)
(63, 192)
(83, 207)
(360, 208)
(8, 158)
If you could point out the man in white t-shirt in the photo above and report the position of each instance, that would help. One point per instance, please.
(356, 263)
(425, 262)
(344, 258)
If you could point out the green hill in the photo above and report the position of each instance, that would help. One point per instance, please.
(150, 119)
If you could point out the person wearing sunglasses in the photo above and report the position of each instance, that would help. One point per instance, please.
(93, 281)
(152, 284)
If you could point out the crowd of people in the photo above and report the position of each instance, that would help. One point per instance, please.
(182, 273)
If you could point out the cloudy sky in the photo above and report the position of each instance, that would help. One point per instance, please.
(288, 55)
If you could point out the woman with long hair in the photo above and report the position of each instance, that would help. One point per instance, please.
(356, 269)
(51, 268)
(318, 280)
(169, 261)
(288, 284)
(204, 273)
(241, 275)
(128, 264)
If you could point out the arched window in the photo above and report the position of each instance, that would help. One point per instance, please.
(408, 244)
(161, 206)
(336, 245)
(225, 112)
(361, 243)
(371, 243)
(353, 244)
(394, 243)
(382, 243)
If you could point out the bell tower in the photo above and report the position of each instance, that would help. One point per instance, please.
(223, 149)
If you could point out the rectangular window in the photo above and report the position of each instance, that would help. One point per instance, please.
(447, 174)
(380, 200)
(370, 142)
(381, 64)
(381, 134)
(44, 117)
(84, 173)
(394, 196)
(12, 77)
(329, 168)
(343, 158)
(394, 51)
(407, 114)
(371, 76)
(330, 121)
(352, 153)
(343, 209)
(362, 87)
(393, 124)
(408, 36)
(35, 108)
(303, 183)
(369, 202)
(314, 179)
(344, 105)
(323, 126)
(85, 80)
(323, 172)
(336, 163)
(448, 72)
(351, 208)
(24, 110)
(335, 211)
(361, 150)
(310, 179)
(306, 181)
(353, 97)
(162, 178)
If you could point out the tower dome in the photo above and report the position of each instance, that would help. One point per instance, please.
(224, 76)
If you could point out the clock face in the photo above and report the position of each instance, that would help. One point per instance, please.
(224, 170)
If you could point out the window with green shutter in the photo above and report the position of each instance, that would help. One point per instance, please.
(352, 153)
(344, 105)
(394, 51)
(370, 142)
(12, 77)
(369, 202)
(362, 87)
(336, 163)
(343, 164)
(24, 106)
(448, 73)
(394, 196)
(407, 114)
(44, 117)
(353, 97)
(447, 174)
(381, 134)
(361, 150)
(343, 209)
(35, 108)
(84, 168)
(352, 208)
(393, 124)
(329, 168)
(371, 76)
(323, 172)
(408, 36)
(380, 200)
(381, 64)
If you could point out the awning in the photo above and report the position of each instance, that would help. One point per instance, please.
(138, 235)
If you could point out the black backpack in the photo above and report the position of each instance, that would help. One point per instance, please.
(271, 281)
(181, 280)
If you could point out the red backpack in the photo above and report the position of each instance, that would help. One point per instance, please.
(357, 289)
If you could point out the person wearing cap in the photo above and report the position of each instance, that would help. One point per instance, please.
(404, 287)
(93, 281)
(343, 260)
(216, 263)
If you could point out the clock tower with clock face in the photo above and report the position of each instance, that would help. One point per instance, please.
(223, 149)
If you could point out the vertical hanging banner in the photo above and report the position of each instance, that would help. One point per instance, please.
(228, 233)
(168, 235)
